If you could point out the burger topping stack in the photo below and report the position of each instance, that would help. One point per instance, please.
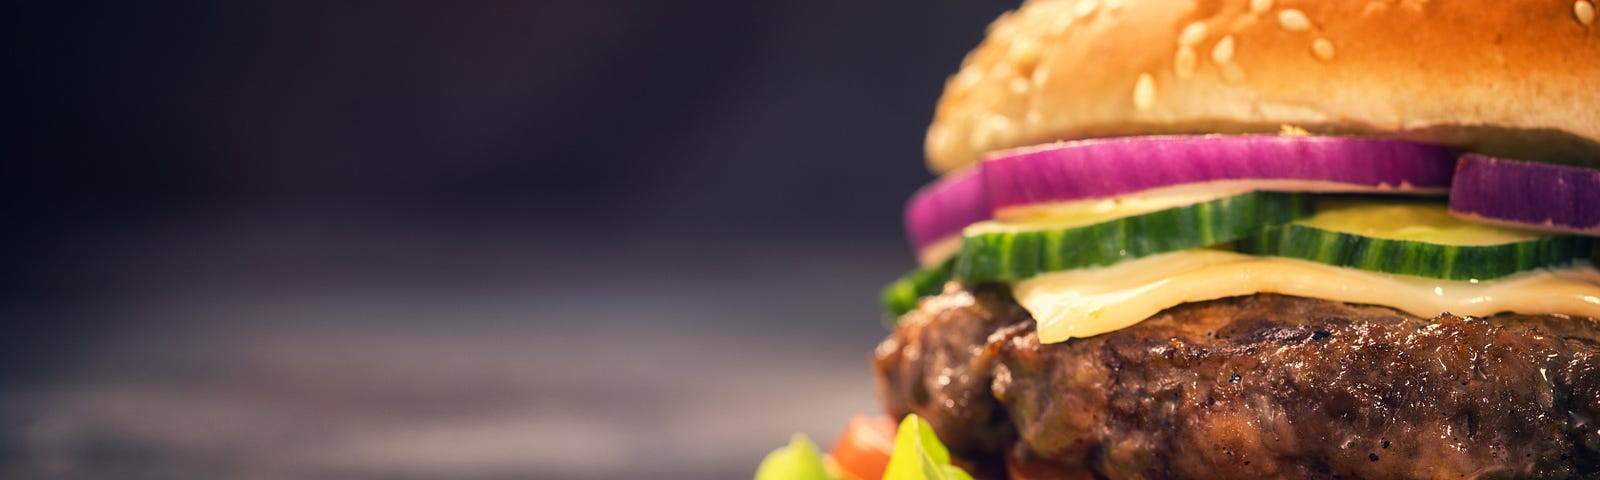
(1096, 235)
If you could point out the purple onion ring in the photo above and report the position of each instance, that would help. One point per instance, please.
(1109, 167)
(1527, 194)
(941, 209)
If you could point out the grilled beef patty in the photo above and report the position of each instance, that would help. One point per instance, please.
(1261, 386)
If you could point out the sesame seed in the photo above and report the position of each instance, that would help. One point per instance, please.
(1223, 52)
(1024, 53)
(1232, 73)
(1192, 34)
(1086, 8)
(938, 138)
(1019, 85)
(980, 137)
(1322, 48)
(1260, 6)
(968, 78)
(1144, 92)
(1000, 125)
(1584, 11)
(1061, 24)
(984, 133)
(1002, 28)
(1185, 62)
(1294, 20)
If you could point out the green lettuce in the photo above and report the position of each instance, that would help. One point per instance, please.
(917, 455)
(797, 461)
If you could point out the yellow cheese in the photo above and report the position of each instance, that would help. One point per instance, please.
(1078, 213)
(1087, 302)
(939, 251)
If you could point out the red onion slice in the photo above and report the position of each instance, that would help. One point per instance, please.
(941, 209)
(1527, 194)
(1103, 168)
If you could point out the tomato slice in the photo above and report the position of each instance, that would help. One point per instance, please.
(862, 451)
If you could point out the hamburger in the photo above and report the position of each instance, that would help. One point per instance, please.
(1252, 239)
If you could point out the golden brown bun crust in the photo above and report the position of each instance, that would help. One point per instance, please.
(1517, 78)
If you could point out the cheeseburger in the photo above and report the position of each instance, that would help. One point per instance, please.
(1251, 239)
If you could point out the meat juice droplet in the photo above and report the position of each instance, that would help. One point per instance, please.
(1578, 419)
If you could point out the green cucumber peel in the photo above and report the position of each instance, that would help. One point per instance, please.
(1418, 256)
(1017, 255)
(902, 295)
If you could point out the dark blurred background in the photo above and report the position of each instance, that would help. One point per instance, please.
(551, 239)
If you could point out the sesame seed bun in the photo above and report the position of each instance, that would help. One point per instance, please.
(1515, 78)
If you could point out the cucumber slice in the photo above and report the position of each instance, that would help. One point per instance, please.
(991, 251)
(901, 296)
(1414, 238)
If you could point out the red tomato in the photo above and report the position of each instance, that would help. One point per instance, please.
(863, 449)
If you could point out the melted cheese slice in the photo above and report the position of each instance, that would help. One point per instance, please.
(939, 251)
(1087, 302)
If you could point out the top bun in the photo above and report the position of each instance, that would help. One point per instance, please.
(1514, 78)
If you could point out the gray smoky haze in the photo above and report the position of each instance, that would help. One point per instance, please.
(550, 239)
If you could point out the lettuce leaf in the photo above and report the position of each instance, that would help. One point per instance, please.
(797, 461)
(918, 455)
